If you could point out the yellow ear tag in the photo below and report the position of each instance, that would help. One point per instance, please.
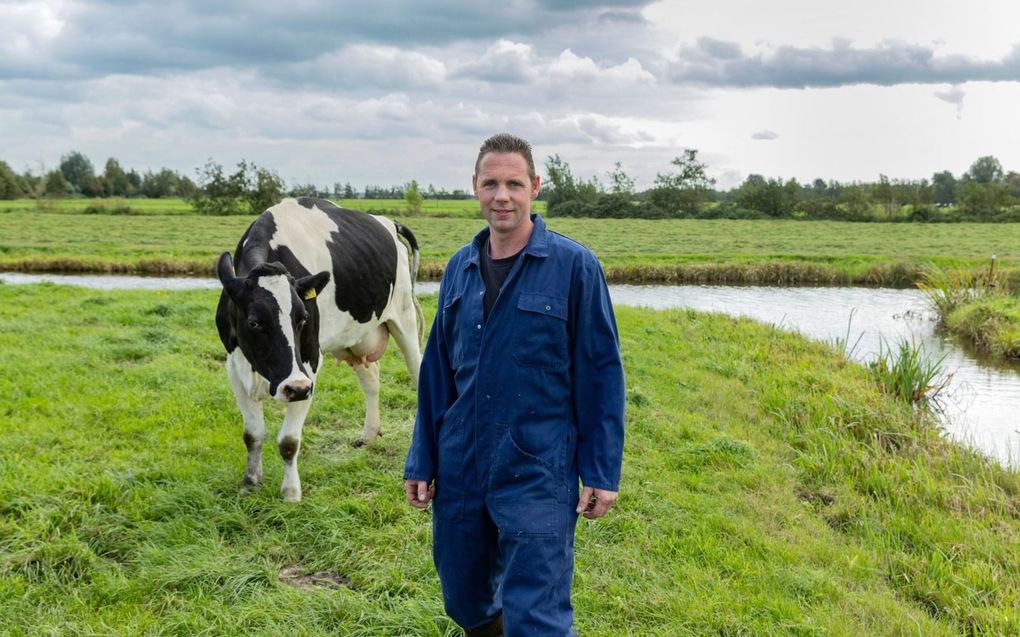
(310, 294)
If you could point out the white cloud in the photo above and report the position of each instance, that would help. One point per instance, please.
(571, 67)
(504, 62)
(765, 135)
(29, 30)
(953, 95)
(362, 65)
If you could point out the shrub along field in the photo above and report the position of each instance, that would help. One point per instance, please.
(721, 251)
(769, 488)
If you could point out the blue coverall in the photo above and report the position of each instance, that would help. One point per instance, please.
(511, 412)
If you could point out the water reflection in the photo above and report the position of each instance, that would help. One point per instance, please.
(981, 402)
(983, 397)
(113, 281)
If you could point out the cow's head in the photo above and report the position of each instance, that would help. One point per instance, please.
(275, 320)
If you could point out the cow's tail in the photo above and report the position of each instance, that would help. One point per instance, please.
(408, 236)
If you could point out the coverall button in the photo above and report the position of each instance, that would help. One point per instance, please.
(478, 327)
(548, 307)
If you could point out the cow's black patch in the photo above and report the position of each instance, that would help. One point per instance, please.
(364, 259)
(223, 325)
(253, 248)
(289, 448)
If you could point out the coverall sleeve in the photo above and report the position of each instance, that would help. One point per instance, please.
(436, 392)
(599, 393)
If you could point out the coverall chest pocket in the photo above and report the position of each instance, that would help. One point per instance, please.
(540, 331)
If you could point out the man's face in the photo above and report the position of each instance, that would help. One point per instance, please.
(505, 191)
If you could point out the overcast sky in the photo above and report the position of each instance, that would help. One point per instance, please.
(407, 89)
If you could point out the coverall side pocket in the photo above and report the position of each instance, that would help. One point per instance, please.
(448, 502)
(522, 476)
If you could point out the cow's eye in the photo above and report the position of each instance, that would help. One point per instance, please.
(253, 324)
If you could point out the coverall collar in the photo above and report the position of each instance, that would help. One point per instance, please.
(538, 242)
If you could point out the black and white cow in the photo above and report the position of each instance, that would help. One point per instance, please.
(311, 279)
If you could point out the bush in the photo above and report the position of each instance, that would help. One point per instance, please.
(100, 209)
(249, 190)
(729, 211)
(608, 206)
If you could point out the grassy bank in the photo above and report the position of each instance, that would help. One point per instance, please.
(981, 307)
(705, 251)
(992, 322)
(769, 489)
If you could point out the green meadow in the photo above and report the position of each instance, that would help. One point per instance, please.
(146, 207)
(769, 488)
(632, 250)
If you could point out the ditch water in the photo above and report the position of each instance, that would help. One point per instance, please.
(981, 404)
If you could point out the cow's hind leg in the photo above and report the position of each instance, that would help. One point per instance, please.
(254, 429)
(289, 442)
(368, 377)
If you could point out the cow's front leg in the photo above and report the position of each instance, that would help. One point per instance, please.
(289, 442)
(368, 377)
(254, 423)
(254, 434)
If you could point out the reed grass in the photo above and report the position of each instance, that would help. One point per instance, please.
(907, 371)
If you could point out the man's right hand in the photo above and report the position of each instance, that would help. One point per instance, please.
(418, 493)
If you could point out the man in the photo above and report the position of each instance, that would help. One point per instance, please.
(520, 396)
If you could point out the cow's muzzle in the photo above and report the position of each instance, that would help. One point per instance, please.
(296, 390)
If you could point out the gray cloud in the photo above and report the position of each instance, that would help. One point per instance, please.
(94, 38)
(766, 135)
(622, 16)
(717, 63)
(572, 5)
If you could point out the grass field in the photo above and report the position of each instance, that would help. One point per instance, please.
(114, 205)
(464, 208)
(774, 252)
(769, 488)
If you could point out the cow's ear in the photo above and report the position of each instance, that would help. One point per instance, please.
(225, 271)
(309, 287)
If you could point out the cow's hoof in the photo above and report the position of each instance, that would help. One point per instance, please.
(249, 485)
(291, 494)
(360, 442)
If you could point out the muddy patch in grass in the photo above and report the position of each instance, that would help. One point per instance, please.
(295, 576)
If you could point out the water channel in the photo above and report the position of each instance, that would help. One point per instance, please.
(981, 405)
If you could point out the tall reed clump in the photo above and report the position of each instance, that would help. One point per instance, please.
(949, 288)
(907, 372)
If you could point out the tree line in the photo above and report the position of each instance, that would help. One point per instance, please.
(76, 176)
(985, 192)
(247, 189)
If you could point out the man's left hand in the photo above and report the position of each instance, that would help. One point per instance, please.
(594, 503)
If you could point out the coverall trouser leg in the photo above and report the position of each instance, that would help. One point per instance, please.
(511, 559)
